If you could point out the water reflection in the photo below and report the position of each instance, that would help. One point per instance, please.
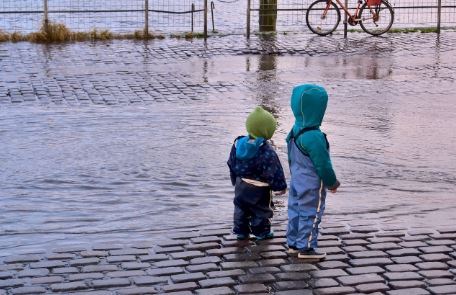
(267, 80)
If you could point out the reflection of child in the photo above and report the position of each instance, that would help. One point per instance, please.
(255, 171)
(311, 170)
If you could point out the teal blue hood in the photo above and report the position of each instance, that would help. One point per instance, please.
(308, 103)
(247, 148)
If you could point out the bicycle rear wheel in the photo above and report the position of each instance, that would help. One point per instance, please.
(377, 19)
(323, 17)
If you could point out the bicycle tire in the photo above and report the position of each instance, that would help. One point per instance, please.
(386, 19)
(327, 25)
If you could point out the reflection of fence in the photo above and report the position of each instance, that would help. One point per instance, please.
(291, 14)
(120, 16)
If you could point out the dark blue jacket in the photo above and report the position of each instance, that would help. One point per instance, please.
(256, 159)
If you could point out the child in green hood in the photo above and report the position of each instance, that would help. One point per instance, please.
(255, 171)
(311, 170)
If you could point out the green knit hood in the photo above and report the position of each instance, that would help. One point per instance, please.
(261, 123)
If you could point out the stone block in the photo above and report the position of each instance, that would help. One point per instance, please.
(66, 287)
(124, 258)
(328, 273)
(46, 280)
(401, 267)
(446, 289)
(213, 291)
(11, 283)
(251, 288)
(202, 267)
(180, 287)
(408, 275)
(324, 283)
(99, 268)
(239, 264)
(257, 278)
(364, 270)
(409, 291)
(334, 291)
(128, 252)
(370, 261)
(217, 282)
(406, 259)
(369, 278)
(187, 277)
(149, 280)
(172, 262)
(431, 265)
(37, 272)
(84, 261)
(372, 287)
(407, 284)
(225, 273)
(21, 259)
(137, 291)
(85, 276)
(48, 264)
(153, 257)
(204, 260)
(165, 271)
(291, 285)
(368, 254)
(111, 283)
(187, 254)
(298, 267)
(28, 290)
(432, 274)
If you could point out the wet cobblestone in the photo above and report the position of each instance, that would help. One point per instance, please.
(208, 272)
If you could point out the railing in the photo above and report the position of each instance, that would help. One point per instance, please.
(289, 15)
(119, 16)
(181, 16)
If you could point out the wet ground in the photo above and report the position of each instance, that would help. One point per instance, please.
(127, 141)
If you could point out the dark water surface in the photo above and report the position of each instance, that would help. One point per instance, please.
(90, 173)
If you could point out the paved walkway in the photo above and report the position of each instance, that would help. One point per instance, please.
(361, 259)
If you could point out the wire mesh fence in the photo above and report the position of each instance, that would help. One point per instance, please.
(290, 15)
(119, 16)
(177, 16)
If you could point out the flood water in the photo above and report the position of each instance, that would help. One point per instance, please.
(95, 173)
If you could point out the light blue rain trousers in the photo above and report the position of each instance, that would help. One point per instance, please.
(306, 200)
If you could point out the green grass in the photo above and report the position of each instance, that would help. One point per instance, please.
(413, 30)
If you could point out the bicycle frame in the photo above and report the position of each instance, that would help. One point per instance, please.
(343, 8)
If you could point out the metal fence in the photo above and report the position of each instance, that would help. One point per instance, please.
(290, 14)
(177, 16)
(118, 16)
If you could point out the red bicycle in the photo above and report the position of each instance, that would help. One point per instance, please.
(374, 16)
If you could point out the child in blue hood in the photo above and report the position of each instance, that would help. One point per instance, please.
(255, 172)
(311, 170)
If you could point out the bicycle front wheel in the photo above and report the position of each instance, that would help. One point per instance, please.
(376, 19)
(323, 17)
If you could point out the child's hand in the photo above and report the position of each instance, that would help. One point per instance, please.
(334, 188)
(282, 192)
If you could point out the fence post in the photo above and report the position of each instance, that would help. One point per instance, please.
(46, 16)
(248, 19)
(146, 18)
(439, 15)
(346, 20)
(193, 16)
(205, 19)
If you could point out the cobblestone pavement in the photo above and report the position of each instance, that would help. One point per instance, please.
(361, 259)
(130, 72)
